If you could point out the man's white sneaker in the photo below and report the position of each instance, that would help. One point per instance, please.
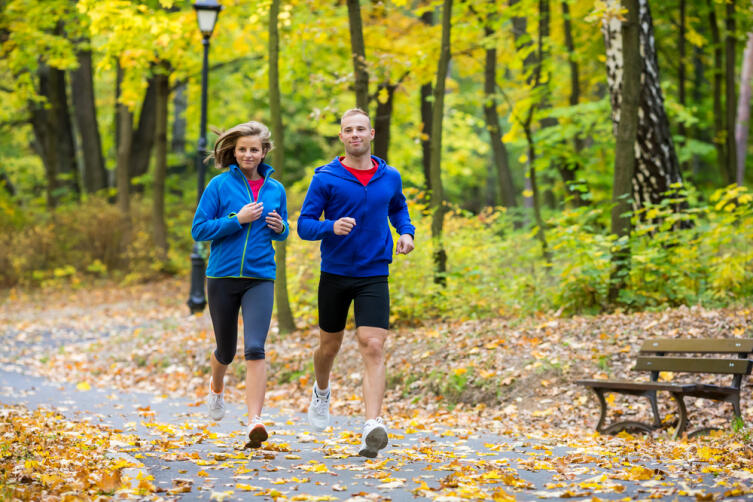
(257, 433)
(319, 410)
(215, 403)
(374, 438)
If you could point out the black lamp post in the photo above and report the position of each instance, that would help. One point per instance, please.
(206, 14)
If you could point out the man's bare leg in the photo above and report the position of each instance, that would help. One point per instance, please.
(324, 356)
(371, 346)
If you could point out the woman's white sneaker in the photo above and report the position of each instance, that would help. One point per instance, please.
(257, 433)
(216, 403)
(374, 438)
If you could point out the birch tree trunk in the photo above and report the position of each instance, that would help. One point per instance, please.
(743, 110)
(730, 44)
(624, 66)
(656, 169)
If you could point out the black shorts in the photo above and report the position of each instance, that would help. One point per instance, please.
(371, 297)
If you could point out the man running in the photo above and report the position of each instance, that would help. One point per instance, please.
(358, 193)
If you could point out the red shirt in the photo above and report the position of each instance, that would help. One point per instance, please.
(363, 175)
(255, 185)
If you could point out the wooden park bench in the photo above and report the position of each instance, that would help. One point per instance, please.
(653, 358)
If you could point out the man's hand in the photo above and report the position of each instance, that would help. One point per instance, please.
(274, 221)
(250, 212)
(343, 226)
(404, 244)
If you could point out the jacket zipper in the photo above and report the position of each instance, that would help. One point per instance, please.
(248, 230)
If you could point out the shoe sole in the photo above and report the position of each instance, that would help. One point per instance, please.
(313, 425)
(216, 416)
(257, 436)
(375, 441)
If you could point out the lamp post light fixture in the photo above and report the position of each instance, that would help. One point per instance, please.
(206, 15)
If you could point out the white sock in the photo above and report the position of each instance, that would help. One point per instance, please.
(321, 392)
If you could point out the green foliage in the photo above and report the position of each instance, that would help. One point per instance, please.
(493, 269)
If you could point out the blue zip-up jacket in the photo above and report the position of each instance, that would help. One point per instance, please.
(367, 250)
(240, 250)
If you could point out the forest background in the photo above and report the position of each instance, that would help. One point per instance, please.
(504, 119)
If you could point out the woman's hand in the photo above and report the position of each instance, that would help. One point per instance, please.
(274, 221)
(250, 212)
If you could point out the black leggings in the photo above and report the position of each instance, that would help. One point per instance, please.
(226, 297)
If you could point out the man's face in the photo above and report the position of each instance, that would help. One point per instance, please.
(356, 134)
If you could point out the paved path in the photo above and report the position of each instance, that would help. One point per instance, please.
(180, 447)
(177, 442)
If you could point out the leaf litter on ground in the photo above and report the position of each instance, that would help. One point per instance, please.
(507, 376)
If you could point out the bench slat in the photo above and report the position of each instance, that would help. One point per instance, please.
(694, 365)
(699, 345)
(628, 385)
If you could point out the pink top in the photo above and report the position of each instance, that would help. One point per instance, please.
(255, 185)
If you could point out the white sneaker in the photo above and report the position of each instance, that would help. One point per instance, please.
(374, 438)
(216, 403)
(257, 433)
(319, 410)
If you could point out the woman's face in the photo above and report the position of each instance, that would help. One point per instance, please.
(248, 152)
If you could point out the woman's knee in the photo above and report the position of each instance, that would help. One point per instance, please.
(224, 357)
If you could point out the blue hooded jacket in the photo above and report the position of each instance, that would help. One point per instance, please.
(240, 250)
(367, 250)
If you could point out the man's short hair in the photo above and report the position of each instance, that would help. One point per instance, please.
(354, 111)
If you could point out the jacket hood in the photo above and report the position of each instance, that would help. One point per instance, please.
(264, 169)
(335, 167)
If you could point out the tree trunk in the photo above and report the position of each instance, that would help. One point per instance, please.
(729, 87)
(53, 131)
(716, 92)
(499, 150)
(569, 172)
(536, 82)
(426, 115)
(7, 184)
(522, 43)
(382, 120)
(125, 139)
(285, 320)
(143, 136)
(681, 75)
(624, 66)
(161, 84)
(699, 88)
(84, 107)
(437, 192)
(656, 170)
(358, 53)
(180, 103)
(743, 110)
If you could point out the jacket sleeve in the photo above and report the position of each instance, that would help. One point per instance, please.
(208, 224)
(310, 228)
(283, 212)
(398, 212)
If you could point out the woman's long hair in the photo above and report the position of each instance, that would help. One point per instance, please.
(224, 147)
